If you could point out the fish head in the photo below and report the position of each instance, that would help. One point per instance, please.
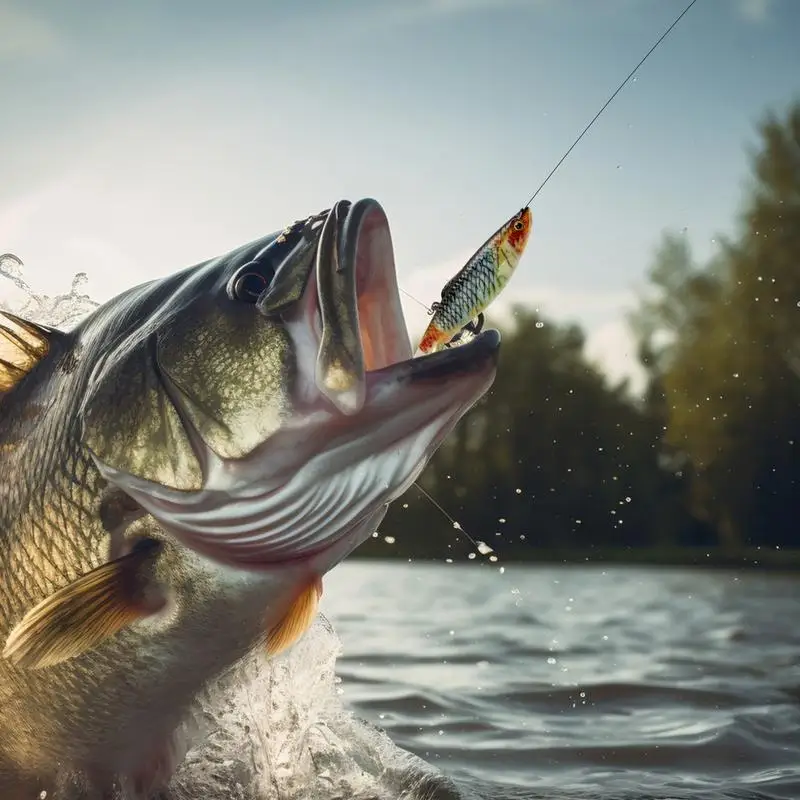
(264, 406)
(518, 230)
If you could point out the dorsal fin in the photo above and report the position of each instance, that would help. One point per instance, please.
(23, 344)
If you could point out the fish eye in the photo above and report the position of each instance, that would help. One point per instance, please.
(249, 282)
(518, 225)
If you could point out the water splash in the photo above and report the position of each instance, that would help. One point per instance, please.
(61, 311)
(266, 730)
(277, 730)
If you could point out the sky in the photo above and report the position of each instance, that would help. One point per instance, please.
(139, 138)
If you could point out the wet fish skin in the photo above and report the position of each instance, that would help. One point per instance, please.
(181, 415)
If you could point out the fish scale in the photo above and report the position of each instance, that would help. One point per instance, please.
(465, 293)
(478, 282)
(149, 536)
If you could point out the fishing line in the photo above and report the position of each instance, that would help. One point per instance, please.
(589, 125)
(609, 101)
(481, 547)
(419, 302)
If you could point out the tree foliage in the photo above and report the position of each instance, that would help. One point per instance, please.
(557, 457)
(731, 388)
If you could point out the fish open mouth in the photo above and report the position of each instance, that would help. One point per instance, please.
(365, 416)
(392, 411)
(352, 305)
(353, 348)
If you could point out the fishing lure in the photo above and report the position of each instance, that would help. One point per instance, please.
(475, 286)
(467, 295)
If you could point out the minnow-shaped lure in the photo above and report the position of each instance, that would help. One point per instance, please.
(470, 292)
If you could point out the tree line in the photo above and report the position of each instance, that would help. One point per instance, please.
(557, 458)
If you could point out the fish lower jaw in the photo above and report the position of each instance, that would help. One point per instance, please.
(304, 496)
(312, 521)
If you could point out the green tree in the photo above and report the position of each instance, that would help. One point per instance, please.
(724, 339)
(553, 457)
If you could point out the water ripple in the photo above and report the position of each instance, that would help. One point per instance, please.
(588, 682)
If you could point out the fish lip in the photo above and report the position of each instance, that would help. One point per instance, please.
(350, 310)
(466, 358)
(354, 241)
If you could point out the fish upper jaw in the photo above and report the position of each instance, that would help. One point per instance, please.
(349, 320)
(365, 417)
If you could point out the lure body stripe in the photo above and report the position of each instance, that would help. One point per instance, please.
(478, 282)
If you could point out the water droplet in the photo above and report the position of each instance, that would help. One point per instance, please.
(551, 660)
(540, 324)
(484, 548)
(518, 491)
(471, 556)
(389, 539)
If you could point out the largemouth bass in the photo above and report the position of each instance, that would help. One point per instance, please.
(179, 472)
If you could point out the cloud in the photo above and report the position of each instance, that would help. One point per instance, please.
(64, 227)
(754, 10)
(456, 7)
(410, 12)
(24, 34)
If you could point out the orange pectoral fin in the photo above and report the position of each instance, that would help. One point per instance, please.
(297, 620)
(84, 613)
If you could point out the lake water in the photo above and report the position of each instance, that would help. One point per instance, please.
(575, 682)
(447, 682)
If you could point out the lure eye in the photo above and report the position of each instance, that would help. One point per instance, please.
(249, 282)
(518, 226)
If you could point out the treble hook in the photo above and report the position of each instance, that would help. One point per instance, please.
(473, 326)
